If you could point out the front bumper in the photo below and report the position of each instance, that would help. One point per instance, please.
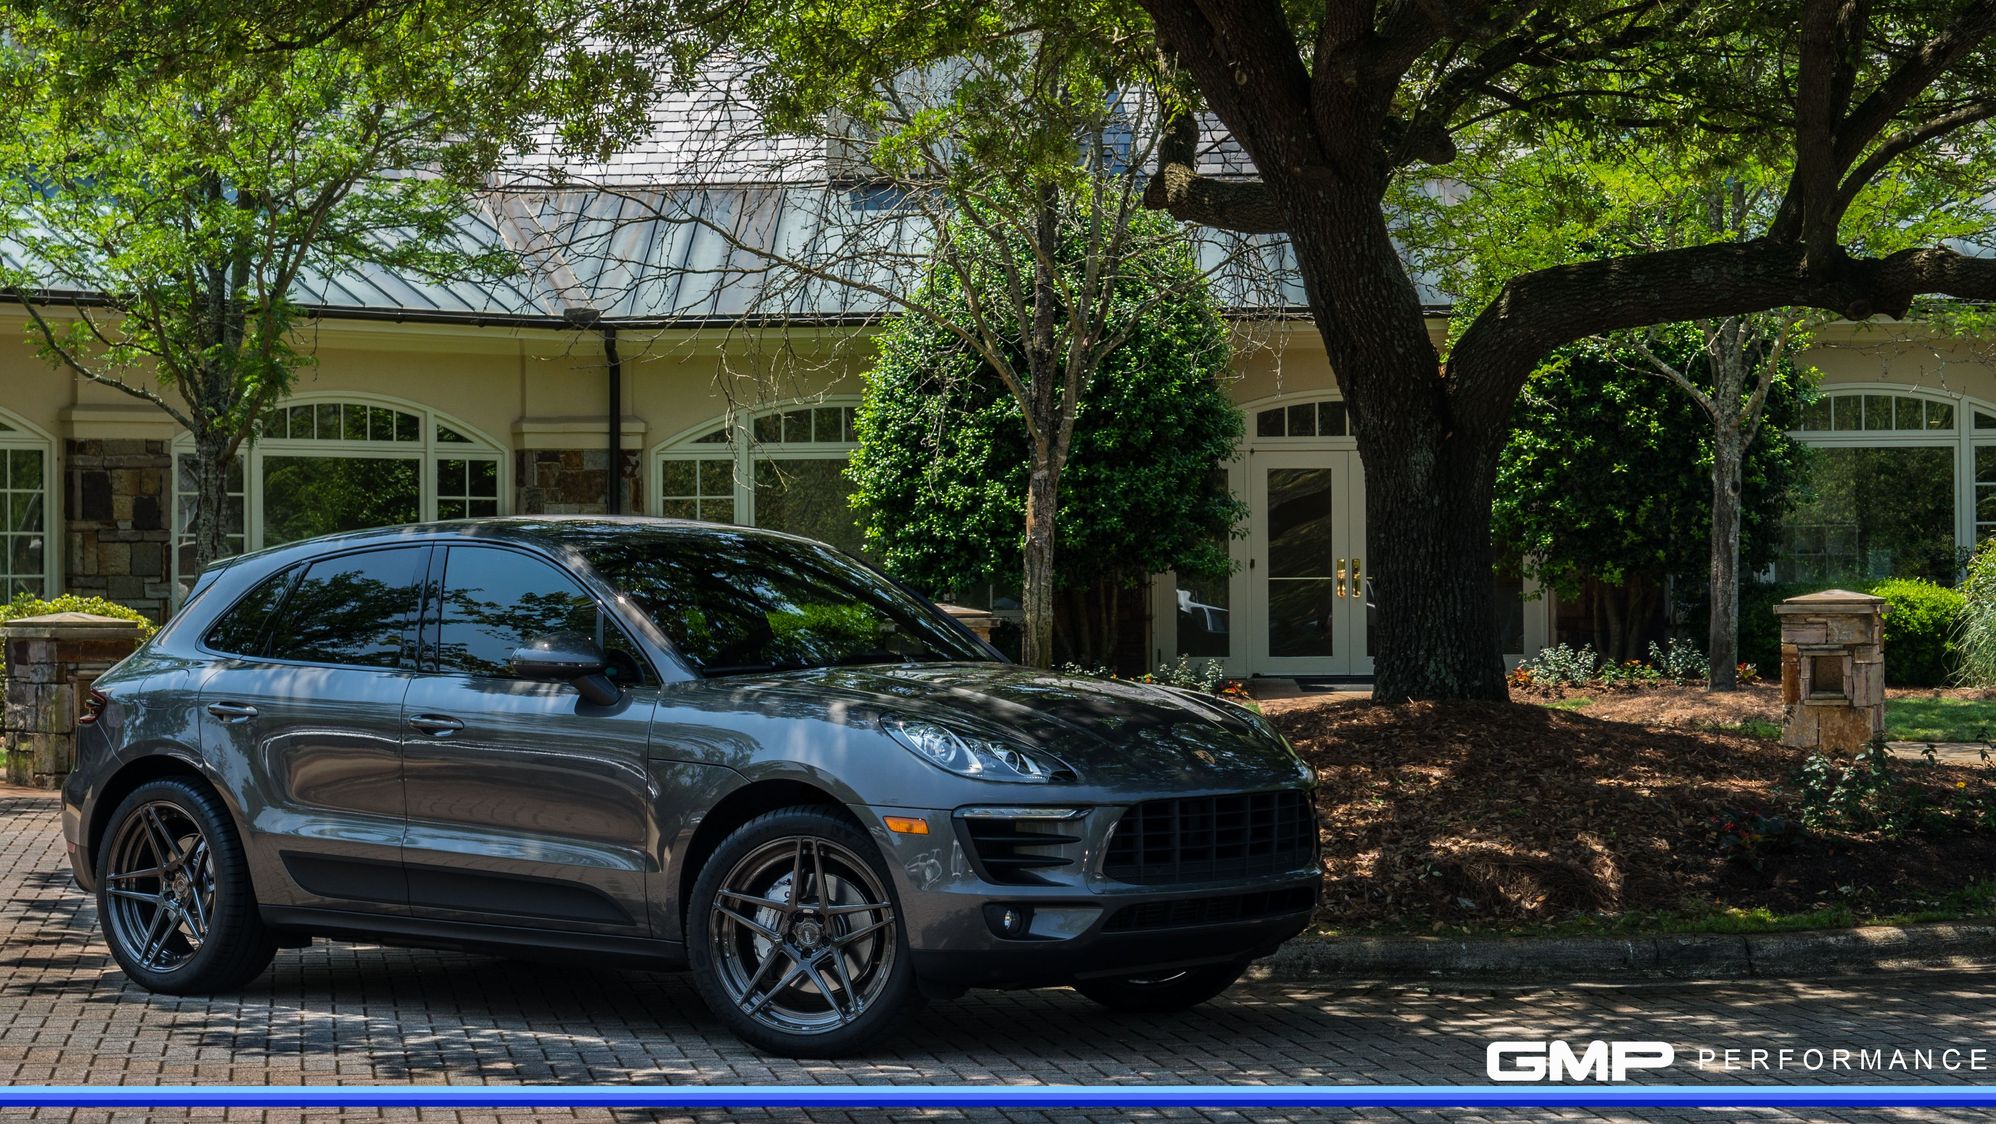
(1076, 922)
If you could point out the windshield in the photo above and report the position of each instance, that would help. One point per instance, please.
(737, 603)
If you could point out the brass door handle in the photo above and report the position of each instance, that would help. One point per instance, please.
(1341, 577)
(1357, 586)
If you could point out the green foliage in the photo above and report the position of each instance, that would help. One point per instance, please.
(27, 605)
(189, 195)
(1975, 632)
(1682, 662)
(1922, 619)
(1864, 795)
(941, 470)
(1607, 475)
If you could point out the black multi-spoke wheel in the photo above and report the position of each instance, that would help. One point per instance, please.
(795, 935)
(1163, 992)
(174, 892)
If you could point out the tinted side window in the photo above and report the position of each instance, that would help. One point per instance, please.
(353, 609)
(495, 601)
(241, 631)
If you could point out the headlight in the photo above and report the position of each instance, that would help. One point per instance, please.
(968, 755)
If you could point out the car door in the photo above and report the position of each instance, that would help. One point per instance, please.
(302, 714)
(528, 805)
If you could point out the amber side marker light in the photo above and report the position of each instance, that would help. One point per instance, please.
(907, 825)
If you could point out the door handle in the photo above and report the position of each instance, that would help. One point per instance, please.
(232, 711)
(436, 725)
(1341, 577)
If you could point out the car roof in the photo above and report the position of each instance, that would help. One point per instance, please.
(559, 531)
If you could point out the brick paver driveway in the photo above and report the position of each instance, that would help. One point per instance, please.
(350, 1015)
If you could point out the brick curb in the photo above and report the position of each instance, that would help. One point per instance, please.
(1713, 956)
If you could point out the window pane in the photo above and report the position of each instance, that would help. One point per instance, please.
(1847, 413)
(353, 422)
(797, 425)
(484, 479)
(809, 498)
(308, 496)
(1330, 419)
(676, 479)
(1985, 464)
(450, 436)
(717, 477)
(241, 631)
(25, 469)
(1877, 411)
(327, 427)
(479, 509)
(1303, 421)
(769, 428)
(679, 509)
(1204, 618)
(351, 610)
(495, 601)
(1940, 415)
(450, 478)
(450, 509)
(717, 511)
(1816, 416)
(1268, 423)
(1883, 512)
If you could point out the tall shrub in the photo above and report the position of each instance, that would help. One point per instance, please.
(1975, 628)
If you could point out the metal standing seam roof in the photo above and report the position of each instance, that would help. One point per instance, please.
(688, 256)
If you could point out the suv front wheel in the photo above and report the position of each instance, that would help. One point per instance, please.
(795, 936)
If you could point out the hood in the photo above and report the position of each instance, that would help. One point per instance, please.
(1109, 732)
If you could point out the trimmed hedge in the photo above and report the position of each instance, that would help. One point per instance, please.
(1920, 623)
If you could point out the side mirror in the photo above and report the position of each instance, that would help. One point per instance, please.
(566, 658)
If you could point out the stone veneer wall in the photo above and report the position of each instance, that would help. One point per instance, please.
(119, 536)
(573, 481)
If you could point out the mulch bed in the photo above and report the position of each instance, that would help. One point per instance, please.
(1491, 814)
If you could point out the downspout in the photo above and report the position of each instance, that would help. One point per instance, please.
(615, 498)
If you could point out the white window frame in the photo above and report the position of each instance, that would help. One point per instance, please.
(742, 450)
(426, 453)
(1963, 438)
(22, 434)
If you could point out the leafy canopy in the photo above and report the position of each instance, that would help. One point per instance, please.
(1607, 476)
(941, 470)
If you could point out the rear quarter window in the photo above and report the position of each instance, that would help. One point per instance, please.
(245, 628)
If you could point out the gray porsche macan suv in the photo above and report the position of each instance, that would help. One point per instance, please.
(677, 744)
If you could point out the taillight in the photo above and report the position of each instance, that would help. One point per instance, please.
(92, 707)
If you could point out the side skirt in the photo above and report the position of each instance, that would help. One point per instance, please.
(460, 936)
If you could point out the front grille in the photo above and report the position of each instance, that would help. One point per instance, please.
(1211, 838)
(1185, 913)
(1013, 851)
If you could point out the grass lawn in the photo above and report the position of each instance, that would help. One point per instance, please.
(1940, 719)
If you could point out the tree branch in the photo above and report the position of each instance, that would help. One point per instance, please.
(1177, 187)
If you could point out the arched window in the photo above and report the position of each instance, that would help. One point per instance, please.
(318, 467)
(1900, 484)
(782, 468)
(26, 465)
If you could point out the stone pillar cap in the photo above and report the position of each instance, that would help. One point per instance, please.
(1833, 600)
(50, 625)
(961, 611)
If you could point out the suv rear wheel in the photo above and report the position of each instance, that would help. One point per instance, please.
(174, 891)
(795, 936)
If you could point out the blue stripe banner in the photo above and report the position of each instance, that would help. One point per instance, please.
(999, 1096)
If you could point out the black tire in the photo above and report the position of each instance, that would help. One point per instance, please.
(184, 921)
(1164, 993)
(838, 950)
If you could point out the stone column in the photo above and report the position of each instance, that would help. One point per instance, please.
(1832, 669)
(51, 662)
(976, 620)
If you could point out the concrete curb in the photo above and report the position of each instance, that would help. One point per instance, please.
(1714, 956)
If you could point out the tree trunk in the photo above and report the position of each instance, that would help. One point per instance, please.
(1036, 645)
(210, 525)
(1723, 641)
(1430, 458)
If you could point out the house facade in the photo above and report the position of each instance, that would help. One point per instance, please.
(638, 364)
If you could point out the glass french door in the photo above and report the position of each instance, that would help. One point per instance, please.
(1306, 574)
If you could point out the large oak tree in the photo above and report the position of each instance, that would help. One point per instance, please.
(1338, 101)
